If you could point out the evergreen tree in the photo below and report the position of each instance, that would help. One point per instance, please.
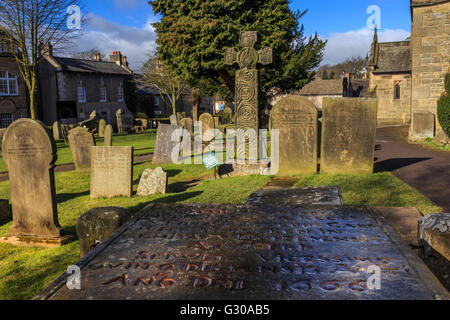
(193, 35)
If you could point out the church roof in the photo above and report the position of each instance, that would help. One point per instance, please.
(391, 57)
(319, 87)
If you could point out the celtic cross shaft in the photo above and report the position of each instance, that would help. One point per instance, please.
(247, 85)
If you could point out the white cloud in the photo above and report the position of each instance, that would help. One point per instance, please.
(106, 36)
(355, 43)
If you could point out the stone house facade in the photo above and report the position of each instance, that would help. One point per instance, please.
(70, 89)
(408, 76)
(13, 90)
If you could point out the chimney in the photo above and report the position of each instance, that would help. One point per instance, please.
(116, 57)
(97, 56)
(46, 49)
(124, 61)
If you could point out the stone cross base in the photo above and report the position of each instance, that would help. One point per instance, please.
(29, 241)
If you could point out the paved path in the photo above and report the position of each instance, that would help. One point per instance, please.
(425, 169)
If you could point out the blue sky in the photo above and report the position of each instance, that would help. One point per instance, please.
(125, 25)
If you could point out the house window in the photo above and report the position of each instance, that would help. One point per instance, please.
(157, 101)
(397, 92)
(120, 93)
(81, 93)
(102, 94)
(6, 119)
(8, 84)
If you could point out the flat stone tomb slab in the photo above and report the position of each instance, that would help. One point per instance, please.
(297, 196)
(255, 252)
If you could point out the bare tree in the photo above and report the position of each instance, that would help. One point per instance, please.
(27, 24)
(156, 76)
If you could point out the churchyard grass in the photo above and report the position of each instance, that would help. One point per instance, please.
(26, 271)
(143, 143)
(430, 143)
(380, 189)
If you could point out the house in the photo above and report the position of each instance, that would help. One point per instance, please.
(408, 76)
(13, 91)
(346, 86)
(70, 89)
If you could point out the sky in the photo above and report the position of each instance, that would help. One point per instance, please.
(125, 25)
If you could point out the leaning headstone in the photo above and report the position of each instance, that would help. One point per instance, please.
(152, 182)
(164, 146)
(111, 172)
(92, 122)
(96, 225)
(173, 120)
(108, 136)
(81, 141)
(422, 126)
(208, 123)
(296, 119)
(65, 133)
(30, 153)
(124, 121)
(434, 245)
(101, 127)
(57, 134)
(348, 135)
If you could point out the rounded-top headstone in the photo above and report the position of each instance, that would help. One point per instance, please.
(57, 134)
(108, 136)
(29, 151)
(296, 119)
(101, 127)
(208, 123)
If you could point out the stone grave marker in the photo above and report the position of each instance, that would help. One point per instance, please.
(422, 125)
(124, 121)
(187, 124)
(247, 106)
(111, 172)
(253, 252)
(164, 144)
(108, 136)
(101, 127)
(2, 133)
(57, 134)
(92, 123)
(348, 135)
(30, 153)
(173, 120)
(208, 123)
(296, 119)
(81, 141)
(65, 133)
(152, 182)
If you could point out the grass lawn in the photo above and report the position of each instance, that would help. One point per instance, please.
(430, 143)
(24, 272)
(142, 143)
(381, 189)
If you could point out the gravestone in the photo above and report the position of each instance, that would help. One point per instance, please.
(208, 123)
(348, 135)
(57, 134)
(30, 153)
(179, 117)
(247, 105)
(173, 120)
(422, 125)
(227, 115)
(186, 123)
(108, 136)
(65, 133)
(92, 122)
(124, 121)
(152, 182)
(101, 127)
(253, 252)
(164, 145)
(81, 141)
(296, 119)
(2, 133)
(96, 225)
(111, 172)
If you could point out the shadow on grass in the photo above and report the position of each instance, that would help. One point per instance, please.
(178, 187)
(63, 197)
(397, 163)
(178, 197)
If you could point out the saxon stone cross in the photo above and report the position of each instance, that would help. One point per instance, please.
(247, 115)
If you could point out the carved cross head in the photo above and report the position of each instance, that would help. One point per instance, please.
(248, 57)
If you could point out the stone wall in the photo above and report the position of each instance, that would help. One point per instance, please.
(390, 110)
(430, 44)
